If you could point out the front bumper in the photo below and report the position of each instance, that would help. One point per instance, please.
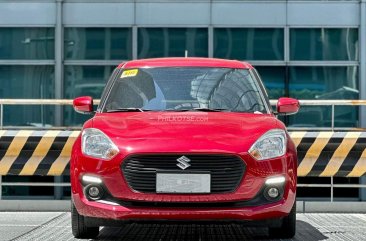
(257, 208)
(113, 211)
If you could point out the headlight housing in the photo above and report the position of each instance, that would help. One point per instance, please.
(96, 144)
(270, 145)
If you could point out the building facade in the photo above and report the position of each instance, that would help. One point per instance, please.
(67, 48)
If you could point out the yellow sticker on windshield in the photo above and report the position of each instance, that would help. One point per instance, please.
(129, 73)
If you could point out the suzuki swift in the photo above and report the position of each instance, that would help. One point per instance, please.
(184, 139)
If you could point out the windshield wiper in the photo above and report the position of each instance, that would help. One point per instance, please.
(134, 109)
(198, 109)
(129, 109)
(210, 109)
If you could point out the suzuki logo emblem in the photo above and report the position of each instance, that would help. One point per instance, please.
(183, 162)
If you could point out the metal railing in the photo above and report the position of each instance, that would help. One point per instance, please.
(332, 104)
(55, 102)
(68, 102)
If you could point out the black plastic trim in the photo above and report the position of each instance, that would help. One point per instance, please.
(96, 222)
(141, 178)
(258, 200)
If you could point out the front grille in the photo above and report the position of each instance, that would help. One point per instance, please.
(226, 170)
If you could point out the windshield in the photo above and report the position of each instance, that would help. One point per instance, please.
(185, 88)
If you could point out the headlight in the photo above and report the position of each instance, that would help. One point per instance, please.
(270, 145)
(96, 144)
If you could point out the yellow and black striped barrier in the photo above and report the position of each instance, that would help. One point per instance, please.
(325, 154)
(28, 152)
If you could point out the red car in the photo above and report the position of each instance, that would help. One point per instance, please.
(184, 139)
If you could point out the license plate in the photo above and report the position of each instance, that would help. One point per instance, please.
(183, 183)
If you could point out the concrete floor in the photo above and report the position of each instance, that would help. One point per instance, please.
(57, 226)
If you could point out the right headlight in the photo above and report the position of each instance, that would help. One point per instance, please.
(270, 145)
(96, 144)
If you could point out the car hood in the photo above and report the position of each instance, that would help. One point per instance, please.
(184, 131)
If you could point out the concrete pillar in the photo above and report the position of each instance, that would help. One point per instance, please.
(362, 86)
(210, 41)
(59, 62)
(59, 43)
(134, 42)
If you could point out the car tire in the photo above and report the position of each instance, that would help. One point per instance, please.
(79, 227)
(288, 227)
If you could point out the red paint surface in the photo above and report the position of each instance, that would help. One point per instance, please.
(83, 104)
(288, 105)
(185, 62)
(154, 132)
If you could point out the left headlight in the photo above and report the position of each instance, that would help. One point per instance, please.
(96, 144)
(270, 145)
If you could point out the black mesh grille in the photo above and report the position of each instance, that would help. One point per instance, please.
(226, 170)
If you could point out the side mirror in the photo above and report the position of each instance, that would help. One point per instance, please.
(287, 106)
(83, 104)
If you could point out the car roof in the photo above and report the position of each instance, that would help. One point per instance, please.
(185, 62)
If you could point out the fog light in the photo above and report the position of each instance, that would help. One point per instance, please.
(94, 192)
(273, 192)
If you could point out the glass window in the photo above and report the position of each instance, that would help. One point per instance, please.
(273, 79)
(27, 192)
(319, 83)
(249, 43)
(27, 43)
(27, 82)
(304, 193)
(98, 43)
(324, 44)
(215, 88)
(172, 42)
(324, 82)
(81, 81)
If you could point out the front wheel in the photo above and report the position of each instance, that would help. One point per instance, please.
(79, 227)
(287, 228)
